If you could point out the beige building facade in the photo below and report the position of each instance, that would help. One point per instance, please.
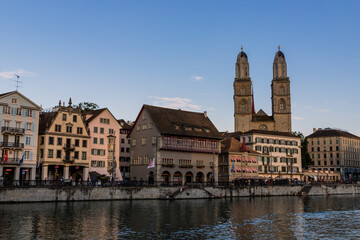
(104, 149)
(64, 144)
(183, 145)
(280, 153)
(246, 118)
(19, 122)
(334, 151)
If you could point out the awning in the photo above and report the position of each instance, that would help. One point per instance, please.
(94, 176)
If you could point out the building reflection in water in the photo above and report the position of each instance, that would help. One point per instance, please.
(237, 218)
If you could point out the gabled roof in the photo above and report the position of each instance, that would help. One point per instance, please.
(180, 122)
(261, 116)
(231, 144)
(124, 125)
(16, 92)
(328, 132)
(46, 118)
(95, 113)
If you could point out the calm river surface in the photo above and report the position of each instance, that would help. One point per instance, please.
(333, 217)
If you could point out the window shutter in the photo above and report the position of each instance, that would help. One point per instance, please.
(34, 113)
(25, 126)
(33, 127)
(31, 155)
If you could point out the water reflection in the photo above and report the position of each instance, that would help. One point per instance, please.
(335, 217)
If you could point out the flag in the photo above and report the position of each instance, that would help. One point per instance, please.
(233, 167)
(6, 156)
(38, 164)
(152, 164)
(22, 158)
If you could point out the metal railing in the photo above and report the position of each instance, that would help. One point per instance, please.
(11, 145)
(12, 130)
(68, 159)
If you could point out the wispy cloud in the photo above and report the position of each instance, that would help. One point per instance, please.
(20, 72)
(298, 118)
(322, 110)
(176, 103)
(196, 78)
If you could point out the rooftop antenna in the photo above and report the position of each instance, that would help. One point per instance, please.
(17, 81)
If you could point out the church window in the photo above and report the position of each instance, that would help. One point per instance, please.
(281, 90)
(242, 91)
(243, 106)
(282, 105)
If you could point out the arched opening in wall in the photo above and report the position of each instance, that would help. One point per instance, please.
(282, 90)
(209, 177)
(263, 127)
(178, 178)
(165, 176)
(282, 105)
(243, 103)
(188, 177)
(199, 177)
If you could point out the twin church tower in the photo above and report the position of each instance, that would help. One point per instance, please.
(246, 118)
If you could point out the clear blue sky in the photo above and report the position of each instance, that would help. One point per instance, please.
(122, 54)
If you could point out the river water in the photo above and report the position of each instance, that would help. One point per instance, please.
(333, 217)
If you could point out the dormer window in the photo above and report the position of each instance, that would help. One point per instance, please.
(188, 128)
(14, 101)
(197, 129)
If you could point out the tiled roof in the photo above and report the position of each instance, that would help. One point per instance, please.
(231, 144)
(182, 123)
(93, 113)
(125, 125)
(328, 132)
(45, 120)
(238, 135)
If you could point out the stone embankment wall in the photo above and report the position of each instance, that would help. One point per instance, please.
(53, 194)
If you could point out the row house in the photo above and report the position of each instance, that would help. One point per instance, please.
(170, 145)
(19, 121)
(280, 152)
(237, 162)
(64, 144)
(124, 148)
(104, 152)
(335, 153)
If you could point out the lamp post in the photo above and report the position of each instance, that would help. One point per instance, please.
(156, 158)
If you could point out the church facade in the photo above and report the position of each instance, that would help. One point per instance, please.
(246, 118)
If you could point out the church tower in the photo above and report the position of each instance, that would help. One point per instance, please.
(280, 94)
(242, 94)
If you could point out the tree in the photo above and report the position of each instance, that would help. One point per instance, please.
(305, 156)
(87, 106)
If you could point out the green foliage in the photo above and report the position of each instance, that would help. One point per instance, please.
(305, 156)
(87, 106)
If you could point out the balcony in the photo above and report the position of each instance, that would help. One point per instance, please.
(12, 130)
(169, 165)
(12, 161)
(13, 145)
(186, 166)
(69, 160)
(69, 147)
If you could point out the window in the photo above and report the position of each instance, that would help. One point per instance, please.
(95, 140)
(18, 111)
(6, 110)
(150, 125)
(122, 149)
(28, 126)
(57, 128)
(41, 153)
(64, 117)
(50, 153)
(83, 155)
(13, 100)
(134, 142)
(143, 141)
(59, 141)
(27, 154)
(74, 118)
(58, 153)
(69, 129)
(77, 142)
(122, 140)
(102, 130)
(127, 150)
(95, 129)
(283, 169)
(79, 130)
(138, 127)
(76, 155)
(28, 141)
(42, 139)
(101, 141)
(84, 143)
(97, 164)
(281, 90)
(144, 127)
(51, 140)
(111, 131)
(105, 120)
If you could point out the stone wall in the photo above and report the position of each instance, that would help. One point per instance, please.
(53, 194)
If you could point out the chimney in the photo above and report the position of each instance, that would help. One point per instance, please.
(314, 130)
(59, 103)
(205, 114)
(319, 129)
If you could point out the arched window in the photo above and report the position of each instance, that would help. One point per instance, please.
(282, 105)
(281, 90)
(242, 91)
(263, 127)
(243, 106)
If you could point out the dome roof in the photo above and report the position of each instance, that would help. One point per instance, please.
(279, 54)
(241, 55)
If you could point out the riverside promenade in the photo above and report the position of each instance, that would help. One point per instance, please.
(55, 193)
